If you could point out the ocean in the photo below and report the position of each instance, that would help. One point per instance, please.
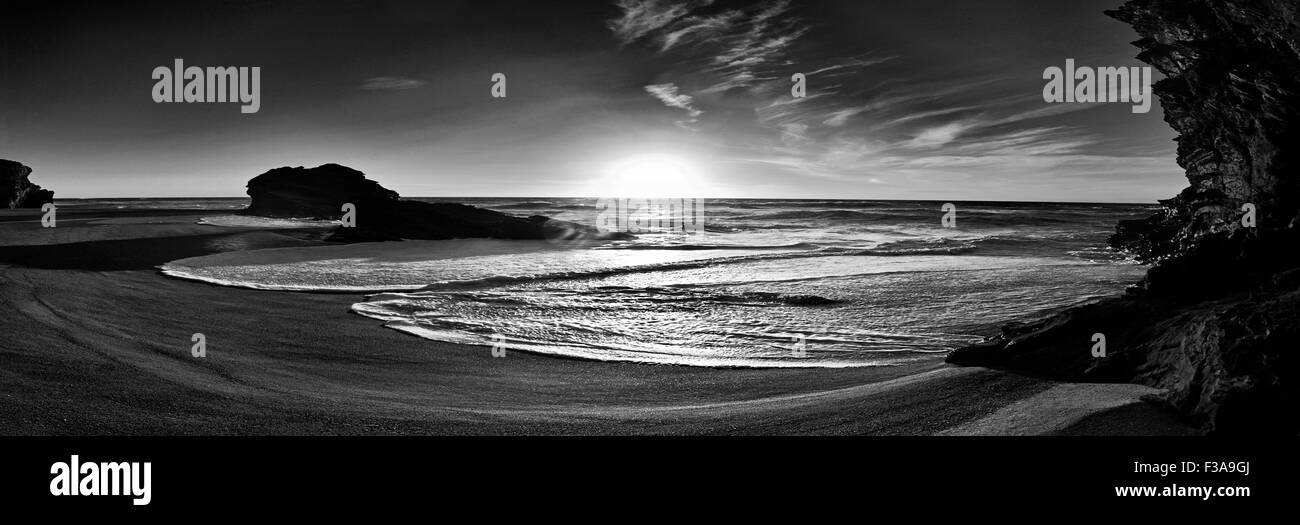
(768, 283)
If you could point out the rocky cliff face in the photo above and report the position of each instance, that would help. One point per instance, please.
(1232, 91)
(380, 214)
(1217, 319)
(16, 191)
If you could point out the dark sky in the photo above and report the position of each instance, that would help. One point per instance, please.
(919, 99)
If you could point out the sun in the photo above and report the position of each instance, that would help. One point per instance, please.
(649, 176)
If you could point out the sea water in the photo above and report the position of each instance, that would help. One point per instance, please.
(769, 283)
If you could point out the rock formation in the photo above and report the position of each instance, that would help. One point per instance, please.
(1216, 321)
(317, 192)
(18, 192)
(320, 193)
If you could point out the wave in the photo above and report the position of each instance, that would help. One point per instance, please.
(533, 205)
(769, 204)
(738, 227)
(267, 277)
(614, 354)
(251, 221)
(693, 293)
(821, 215)
(1104, 254)
(593, 324)
(921, 247)
(690, 247)
(1026, 219)
(540, 205)
(181, 272)
(884, 251)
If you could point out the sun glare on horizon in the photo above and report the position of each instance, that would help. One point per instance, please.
(649, 176)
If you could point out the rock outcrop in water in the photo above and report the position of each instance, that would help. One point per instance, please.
(314, 192)
(1216, 321)
(321, 192)
(16, 191)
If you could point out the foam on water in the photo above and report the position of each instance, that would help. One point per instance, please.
(773, 283)
(248, 221)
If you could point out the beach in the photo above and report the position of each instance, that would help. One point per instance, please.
(98, 342)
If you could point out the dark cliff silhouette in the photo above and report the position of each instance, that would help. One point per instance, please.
(1216, 321)
(16, 191)
(382, 215)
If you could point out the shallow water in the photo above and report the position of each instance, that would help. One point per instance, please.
(769, 283)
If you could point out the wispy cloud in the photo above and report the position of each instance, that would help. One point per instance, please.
(939, 135)
(759, 43)
(739, 47)
(859, 62)
(390, 83)
(671, 97)
(871, 115)
(841, 117)
(642, 18)
(694, 29)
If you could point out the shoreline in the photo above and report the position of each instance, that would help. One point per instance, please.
(103, 349)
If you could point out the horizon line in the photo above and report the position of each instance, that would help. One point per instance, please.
(1156, 202)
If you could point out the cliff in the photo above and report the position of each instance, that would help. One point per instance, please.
(1216, 321)
(382, 215)
(16, 191)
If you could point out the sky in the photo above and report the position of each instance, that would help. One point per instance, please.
(923, 99)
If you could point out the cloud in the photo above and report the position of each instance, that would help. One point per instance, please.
(671, 97)
(939, 135)
(734, 55)
(390, 83)
(851, 63)
(644, 17)
(871, 116)
(757, 44)
(693, 29)
(841, 117)
(739, 47)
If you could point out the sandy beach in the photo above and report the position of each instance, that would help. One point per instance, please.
(97, 342)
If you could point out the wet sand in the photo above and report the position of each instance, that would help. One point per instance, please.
(97, 342)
